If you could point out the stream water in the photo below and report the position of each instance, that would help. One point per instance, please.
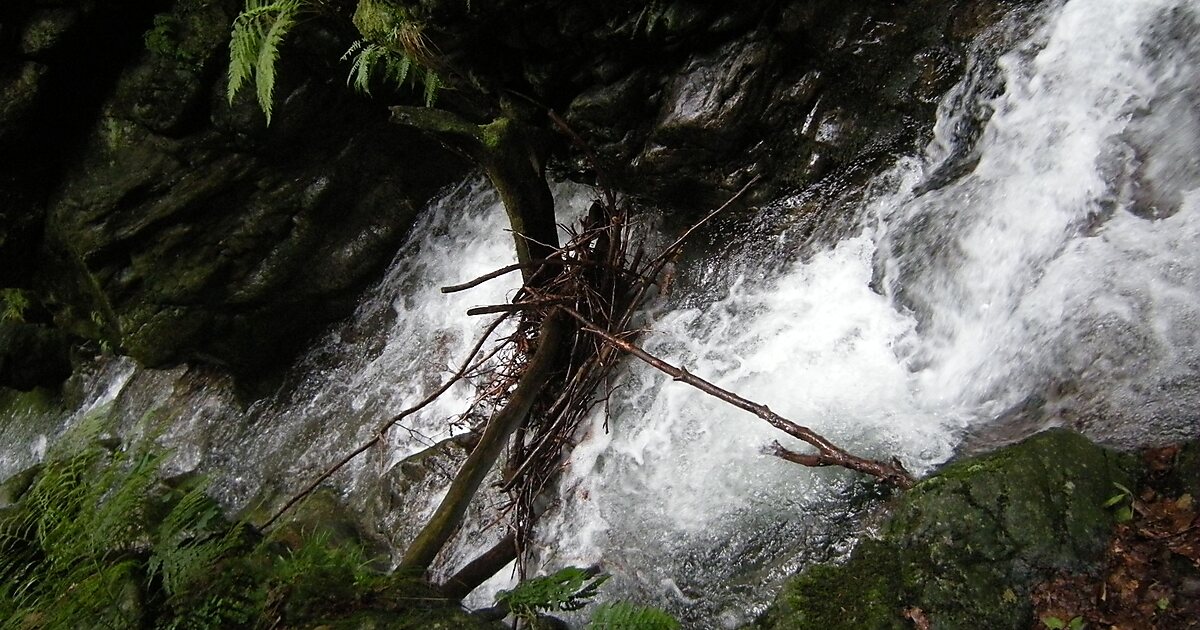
(1037, 265)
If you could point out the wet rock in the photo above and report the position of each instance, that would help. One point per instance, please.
(706, 102)
(19, 88)
(173, 226)
(965, 546)
(13, 488)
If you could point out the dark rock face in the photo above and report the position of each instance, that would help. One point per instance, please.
(146, 212)
(966, 545)
(686, 101)
(32, 356)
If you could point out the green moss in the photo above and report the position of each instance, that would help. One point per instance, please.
(380, 20)
(966, 545)
(864, 593)
(66, 561)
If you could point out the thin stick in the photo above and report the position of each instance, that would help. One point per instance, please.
(668, 252)
(379, 433)
(507, 269)
(517, 306)
(828, 453)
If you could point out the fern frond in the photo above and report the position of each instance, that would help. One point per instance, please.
(254, 47)
(184, 551)
(364, 63)
(397, 68)
(264, 67)
(432, 83)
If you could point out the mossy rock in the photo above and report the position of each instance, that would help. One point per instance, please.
(1187, 468)
(965, 546)
(13, 488)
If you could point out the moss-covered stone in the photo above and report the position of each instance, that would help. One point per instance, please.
(14, 487)
(1187, 468)
(965, 546)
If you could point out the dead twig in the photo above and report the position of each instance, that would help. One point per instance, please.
(383, 428)
(514, 307)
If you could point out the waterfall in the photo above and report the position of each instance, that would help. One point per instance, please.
(1039, 257)
(1036, 265)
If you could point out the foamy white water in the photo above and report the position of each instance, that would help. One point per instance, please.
(1062, 268)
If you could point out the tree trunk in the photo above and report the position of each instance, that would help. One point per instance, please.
(449, 514)
(507, 151)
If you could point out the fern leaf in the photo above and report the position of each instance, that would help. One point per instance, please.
(264, 67)
(432, 83)
(398, 68)
(254, 47)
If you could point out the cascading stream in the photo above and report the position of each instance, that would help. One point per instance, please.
(1036, 266)
(1056, 272)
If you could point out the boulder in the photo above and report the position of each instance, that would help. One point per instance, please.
(152, 215)
(963, 548)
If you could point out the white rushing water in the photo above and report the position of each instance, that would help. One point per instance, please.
(1060, 274)
(1040, 256)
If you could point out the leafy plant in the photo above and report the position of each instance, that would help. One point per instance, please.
(1121, 503)
(163, 39)
(369, 57)
(626, 616)
(1055, 623)
(258, 31)
(571, 588)
(186, 545)
(15, 303)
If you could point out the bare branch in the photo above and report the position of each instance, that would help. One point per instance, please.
(383, 428)
(445, 519)
(828, 453)
(517, 306)
(477, 571)
(671, 250)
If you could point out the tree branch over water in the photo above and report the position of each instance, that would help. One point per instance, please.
(828, 454)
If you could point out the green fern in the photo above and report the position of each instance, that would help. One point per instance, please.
(254, 47)
(571, 588)
(626, 616)
(79, 544)
(186, 548)
(396, 66)
(15, 303)
(74, 541)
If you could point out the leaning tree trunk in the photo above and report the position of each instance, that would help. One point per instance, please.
(508, 153)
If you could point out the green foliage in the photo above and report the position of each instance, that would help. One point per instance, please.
(163, 39)
(73, 550)
(257, 34)
(259, 30)
(1121, 504)
(186, 545)
(626, 616)
(368, 59)
(99, 541)
(14, 303)
(571, 588)
(1054, 623)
